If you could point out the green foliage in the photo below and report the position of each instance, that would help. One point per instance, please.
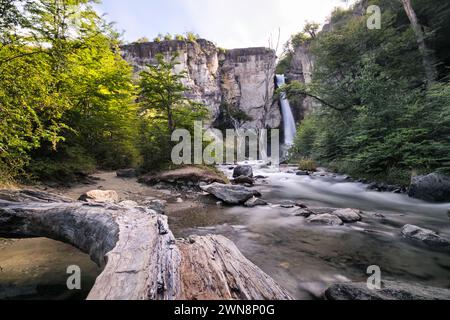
(231, 117)
(64, 91)
(179, 37)
(307, 164)
(377, 120)
(164, 108)
(69, 164)
(284, 63)
(142, 40)
(168, 37)
(192, 36)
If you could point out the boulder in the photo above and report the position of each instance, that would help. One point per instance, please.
(390, 290)
(302, 173)
(429, 237)
(159, 206)
(126, 173)
(103, 196)
(254, 202)
(288, 205)
(231, 194)
(243, 180)
(188, 176)
(303, 213)
(434, 187)
(325, 219)
(348, 215)
(245, 171)
(128, 204)
(301, 205)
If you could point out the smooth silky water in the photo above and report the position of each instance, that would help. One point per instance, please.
(306, 259)
(33, 269)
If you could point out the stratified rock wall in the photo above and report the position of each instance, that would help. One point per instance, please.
(301, 69)
(242, 78)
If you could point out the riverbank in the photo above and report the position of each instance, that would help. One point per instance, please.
(304, 258)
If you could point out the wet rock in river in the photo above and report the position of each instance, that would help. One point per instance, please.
(390, 290)
(246, 171)
(434, 187)
(429, 237)
(303, 213)
(231, 194)
(348, 215)
(254, 202)
(243, 180)
(325, 219)
(287, 205)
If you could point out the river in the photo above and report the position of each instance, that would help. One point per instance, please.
(303, 258)
(306, 259)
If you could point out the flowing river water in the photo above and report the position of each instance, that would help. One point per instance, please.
(303, 258)
(306, 259)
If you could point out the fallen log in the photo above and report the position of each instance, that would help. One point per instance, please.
(141, 258)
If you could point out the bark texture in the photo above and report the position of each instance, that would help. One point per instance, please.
(141, 258)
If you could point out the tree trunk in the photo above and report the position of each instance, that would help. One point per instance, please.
(427, 56)
(141, 258)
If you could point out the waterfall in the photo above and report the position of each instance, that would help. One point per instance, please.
(290, 129)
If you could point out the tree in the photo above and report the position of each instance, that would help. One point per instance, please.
(427, 55)
(66, 95)
(164, 108)
(162, 89)
(375, 120)
(311, 28)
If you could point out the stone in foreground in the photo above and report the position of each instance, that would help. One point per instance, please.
(325, 219)
(254, 202)
(434, 187)
(106, 196)
(429, 237)
(231, 194)
(348, 215)
(390, 290)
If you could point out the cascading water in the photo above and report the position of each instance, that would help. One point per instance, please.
(290, 129)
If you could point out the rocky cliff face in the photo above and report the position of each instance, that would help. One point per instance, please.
(301, 69)
(240, 78)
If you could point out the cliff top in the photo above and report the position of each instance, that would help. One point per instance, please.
(173, 45)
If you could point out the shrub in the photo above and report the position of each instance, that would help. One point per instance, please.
(307, 164)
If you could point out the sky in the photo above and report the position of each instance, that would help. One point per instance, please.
(228, 23)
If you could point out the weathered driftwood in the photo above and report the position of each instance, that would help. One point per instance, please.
(141, 258)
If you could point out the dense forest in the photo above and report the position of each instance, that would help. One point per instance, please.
(70, 104)
(385, 93)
